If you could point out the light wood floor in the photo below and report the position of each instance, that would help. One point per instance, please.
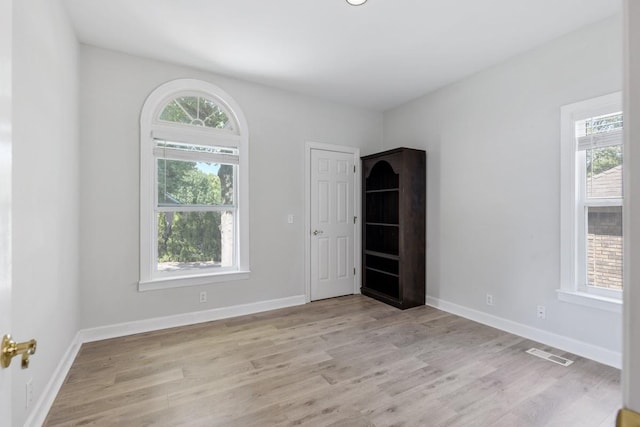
(349, 361)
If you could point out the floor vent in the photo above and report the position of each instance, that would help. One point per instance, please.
(551, 357)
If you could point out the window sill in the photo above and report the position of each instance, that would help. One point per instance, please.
(589, 300)
(180, 282)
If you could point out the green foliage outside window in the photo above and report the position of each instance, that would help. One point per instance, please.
(190, 236)
(602, 159)
(194, 110)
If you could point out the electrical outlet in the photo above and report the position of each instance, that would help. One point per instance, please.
(489, 299)
(542, 312)
(289, 219)
(203, 296)
(28, 401)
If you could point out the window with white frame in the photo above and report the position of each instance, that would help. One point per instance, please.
(592, 198)
(193, 187)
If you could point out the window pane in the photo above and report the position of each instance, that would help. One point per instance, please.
(189, 241)
(194, 183)
(602, 124)
(604, 246)
(196, 111)
(604, 172)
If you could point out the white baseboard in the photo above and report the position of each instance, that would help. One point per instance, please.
(43, 405)
(41, 409)
(155, 324)
(599, 354)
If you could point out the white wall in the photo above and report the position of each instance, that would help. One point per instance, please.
(45, 191)
(631, 368)
(493, 204)
(113, 88)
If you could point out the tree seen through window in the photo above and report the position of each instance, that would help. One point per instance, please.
(185, 236)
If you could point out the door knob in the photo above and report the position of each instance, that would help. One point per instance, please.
(10, 349)
(316, 232)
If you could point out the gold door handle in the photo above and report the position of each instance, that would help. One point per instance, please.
(10, 349)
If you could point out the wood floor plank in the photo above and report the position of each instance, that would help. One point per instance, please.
(349, 361)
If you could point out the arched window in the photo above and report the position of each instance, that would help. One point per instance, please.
(193, 187)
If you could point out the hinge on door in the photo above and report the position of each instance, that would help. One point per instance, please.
(354, 271)
(354, 168)
(354, 219)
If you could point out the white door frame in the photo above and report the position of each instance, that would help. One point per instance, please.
(357, 194)
(6, 58)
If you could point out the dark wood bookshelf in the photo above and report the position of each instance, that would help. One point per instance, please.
(393, 227)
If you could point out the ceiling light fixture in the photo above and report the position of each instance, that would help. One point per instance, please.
(356, 2)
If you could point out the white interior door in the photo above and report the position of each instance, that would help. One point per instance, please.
(5, 197)
(332, 224)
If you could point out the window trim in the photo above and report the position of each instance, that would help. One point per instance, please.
(152, 128)
(570, 203)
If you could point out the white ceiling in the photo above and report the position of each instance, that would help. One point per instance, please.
(377, 56)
